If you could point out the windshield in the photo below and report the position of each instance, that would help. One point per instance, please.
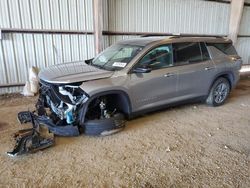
(116, 57)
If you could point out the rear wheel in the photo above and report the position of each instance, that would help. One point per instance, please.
(219, 92)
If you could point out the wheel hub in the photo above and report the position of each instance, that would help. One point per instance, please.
(220, 93)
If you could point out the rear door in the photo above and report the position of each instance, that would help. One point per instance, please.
(196, 70)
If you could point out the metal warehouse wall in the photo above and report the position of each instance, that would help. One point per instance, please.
(243, 43)
(171, 16)
(19, 51)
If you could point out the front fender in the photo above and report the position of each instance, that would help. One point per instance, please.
(105, 85)
(97, 88)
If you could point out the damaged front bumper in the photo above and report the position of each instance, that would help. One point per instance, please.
(57, 113)
(61, 103)
(60, 106)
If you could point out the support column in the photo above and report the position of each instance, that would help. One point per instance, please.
(98, 25)
(235, 18)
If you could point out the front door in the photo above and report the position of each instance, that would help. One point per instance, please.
(157, 86)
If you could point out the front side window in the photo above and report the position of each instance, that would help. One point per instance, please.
(116, 57)
(186, 53)
(159, 57)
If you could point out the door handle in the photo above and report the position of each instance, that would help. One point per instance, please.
(209, 68)
(169, 75)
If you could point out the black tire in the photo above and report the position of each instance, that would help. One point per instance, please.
(104, 127)
(217, 95)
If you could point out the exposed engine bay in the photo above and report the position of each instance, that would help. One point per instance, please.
(61, 103)
(65, 110)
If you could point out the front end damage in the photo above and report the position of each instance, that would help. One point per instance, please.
(64, 110)
(59, 108)
(57, 113)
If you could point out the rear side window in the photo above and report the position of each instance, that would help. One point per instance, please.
(185, 53)
(226, 48)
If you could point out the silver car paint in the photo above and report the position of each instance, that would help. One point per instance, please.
(147, 90)
(72, 72)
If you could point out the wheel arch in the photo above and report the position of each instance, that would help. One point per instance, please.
(227, 75)
(122, 98)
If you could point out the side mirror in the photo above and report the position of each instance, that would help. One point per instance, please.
(89, 61)
(142, 70)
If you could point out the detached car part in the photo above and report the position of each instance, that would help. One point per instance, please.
(31, 140)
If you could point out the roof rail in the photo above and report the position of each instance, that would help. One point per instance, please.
(174, 35)
(197, 35)
(157, 35)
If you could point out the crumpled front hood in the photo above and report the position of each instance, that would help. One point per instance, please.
(72, 72)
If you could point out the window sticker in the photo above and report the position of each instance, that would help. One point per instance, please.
(119, 64)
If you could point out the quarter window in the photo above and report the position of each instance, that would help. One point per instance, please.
(185, 53)
(226, 48)
(157, 58)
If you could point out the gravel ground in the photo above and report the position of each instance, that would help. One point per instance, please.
(187, 146)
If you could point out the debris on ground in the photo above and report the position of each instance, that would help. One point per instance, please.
(33, 139)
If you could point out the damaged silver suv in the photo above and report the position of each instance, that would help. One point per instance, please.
(133, 77)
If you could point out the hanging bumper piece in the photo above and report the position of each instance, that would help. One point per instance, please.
(33, 139)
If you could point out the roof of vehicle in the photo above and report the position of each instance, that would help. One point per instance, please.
(144, 41)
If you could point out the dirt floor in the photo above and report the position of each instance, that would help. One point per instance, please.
(187, 146)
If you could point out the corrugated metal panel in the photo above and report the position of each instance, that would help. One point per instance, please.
(55, 14)
(47, 14)
(39, 50)
(243, 48)
(116, 38)
(90, 46)
(10, 60)
(20, 57)
(89, 14)
(18, 52)
(15, 13)
(66, 48)
(4, 14)
(29, 50)
(245, 22)
(175, 16)
(81, 14)
(106, 42)
(105, 15)
(72, 4)
(36, 19)
(64, 14)
(58, 49)
(3, 69)
(25, 14)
